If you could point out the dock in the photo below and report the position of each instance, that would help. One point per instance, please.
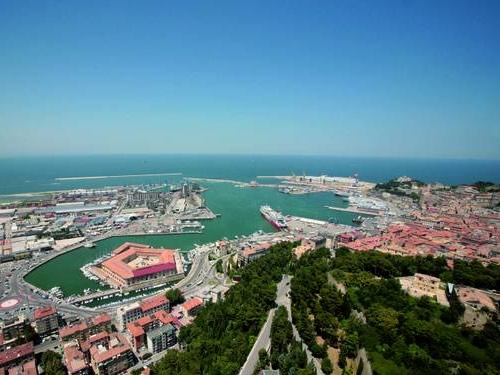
(311, 227)
(88, 297)
(355, 210)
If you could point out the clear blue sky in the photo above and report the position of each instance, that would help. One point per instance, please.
(368, 78)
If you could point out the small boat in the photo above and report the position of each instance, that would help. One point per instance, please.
(89, 245)
(358, 220)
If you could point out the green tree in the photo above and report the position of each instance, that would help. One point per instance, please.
(326, 366)
(218, 266)
(263, 359)
(281, 331)
(385, 319)
(52, 363)
(174, 296)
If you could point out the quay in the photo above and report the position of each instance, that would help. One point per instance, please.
(88, 297)
(355, 210)
(301, 225)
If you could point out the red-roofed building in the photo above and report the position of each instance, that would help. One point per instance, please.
(154, 303)
(133, 265)
(26, 368)
(78, 331)
(16, 356)
(192, 307)
(46, 320)
(111, 357)
(138, 329)
(75, 360)
(101, 337)
(137, 334)
(163, 317)
(82, 330)
(249, 255)
(138, 310)
(100, 323)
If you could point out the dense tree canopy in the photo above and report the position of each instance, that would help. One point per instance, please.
(223, 333)
(402, 334)
(174, 296)
(52, 363)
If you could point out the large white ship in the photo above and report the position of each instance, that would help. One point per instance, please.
(275, 218)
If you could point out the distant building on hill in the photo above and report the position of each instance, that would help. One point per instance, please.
(421, 285)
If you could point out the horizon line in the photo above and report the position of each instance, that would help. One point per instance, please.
(12, 156)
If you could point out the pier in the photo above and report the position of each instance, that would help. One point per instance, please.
(355, 210)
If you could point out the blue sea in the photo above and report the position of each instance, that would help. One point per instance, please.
(38, 174)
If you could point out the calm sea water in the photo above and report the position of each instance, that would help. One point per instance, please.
(35, 174)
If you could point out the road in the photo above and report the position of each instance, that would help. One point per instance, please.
(264, 339)
(53, 345)
(284, 300)
(27, 299)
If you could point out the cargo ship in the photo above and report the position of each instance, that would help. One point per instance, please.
(275, 218)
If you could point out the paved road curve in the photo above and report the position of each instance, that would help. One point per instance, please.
(285, 301)
(264, 338)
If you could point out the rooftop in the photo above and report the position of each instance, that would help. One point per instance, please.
(72, 329)
(42, 312)
(153, 302)
(116, 346)
(27, 368)
(167, 328)
(135, 329)
(75, 359)
(134, 260)
(163, 317)
(192, 303)
(20, 351)
(101, 319)
(256, 249)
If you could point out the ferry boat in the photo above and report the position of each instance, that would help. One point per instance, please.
(275, 218)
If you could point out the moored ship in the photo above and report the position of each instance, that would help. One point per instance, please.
(341, 193)
(275, 218)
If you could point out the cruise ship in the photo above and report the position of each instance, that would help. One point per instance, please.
(275, 218)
